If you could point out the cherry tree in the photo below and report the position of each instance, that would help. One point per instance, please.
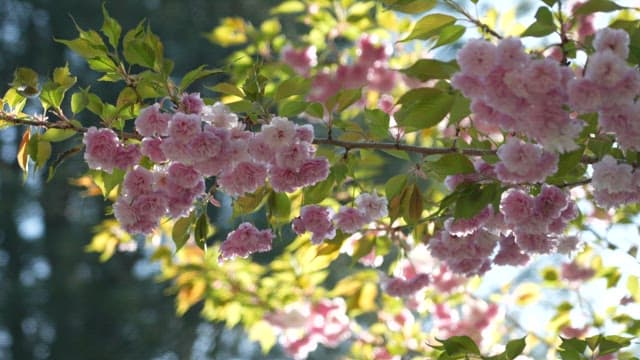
(352, 184)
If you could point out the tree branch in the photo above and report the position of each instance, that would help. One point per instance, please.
(348, 145)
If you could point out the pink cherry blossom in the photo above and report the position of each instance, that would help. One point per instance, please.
(300, 60)
(614, 40)
(191, 103)
(244, 241)
(349, 220)
(151, 121)
(101, 147)
(372, 206)
(317, 220)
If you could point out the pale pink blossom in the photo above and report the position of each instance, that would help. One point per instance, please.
(127, 155)
(349, 220)
(152, 148)
(191, 103)
(323, 86)
(575, 272)
(478, 57)
(184, 175)
(369, 53)
(220, 116)
(614, 40)
(517, 207)
(284, 179)
(246, 177)
(101, 147)
(184, 127)
(510, 53)
(279, 133)
(294, 155)
(606, 68)
(313, 171)
(584, 95)
(317, 220)
(151, 121)
(372, 206)
(137, 181)
(300, 60)
(244, 241)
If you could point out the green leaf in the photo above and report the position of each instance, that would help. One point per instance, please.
(410, 6)
(25, 81)
(60, 159)
(51, 95)
(110, 28)
(612, 344)
(576, 345)
(475, 197)
(288, 7)
(429, 26)
(197, 74)
(568, 161)
(293, 86)
(460, 345)
(79, 101)
(320, 191)
(102, 64)
(449, 34)
(394, 186)
(362, 248)
(344, 98)
(250, 203)
(62, 77)
(378, 122)
(412, 204)
(82, 47)
(127, 96)
(428, 69)
(181, 230)
(451, 164)
(592, 6)
(423, 108)
(201, 231)
(279, 207)
(550, 3)
(227, 88)
(515, 347)
(57, 135)
(107, 181)
(290, 108)
(543, 25)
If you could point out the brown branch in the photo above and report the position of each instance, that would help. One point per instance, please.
(482, 26)
(348, 145)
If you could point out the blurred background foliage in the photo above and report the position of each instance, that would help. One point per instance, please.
(56, 300)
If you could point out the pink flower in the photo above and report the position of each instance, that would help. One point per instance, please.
(369, 53)
(478, 57)
(403, 288)
(606, 68)
(137, 181)
(510, 253)
(352, 76)
(516, 206)
(317, 220)
(313, 171)
(610, 176)
(304, 133)
(150, 206)
(542, 76)
(184, 127)
(152, 148)
(244, 241)
(349, 219)
(184, 175)
(584, 95)
(220, 116)
(284, 179)
(575, 272)
(246, 177)
(550, 203)
(536, 243)
(300, 60)
(127, 156)
(510, 53)
(101, 147)
(323, 87)
(372, 206)
(191, 103)
(279, 133)
(614, 40)
(294, 155)
(151, 121)
(468, 84)
(206, 145)
(382, 79)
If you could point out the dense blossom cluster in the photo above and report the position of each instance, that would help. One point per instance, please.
(518, 93)
(322, 222)
(523, 225)
(369, 69)
(524, 163)
(245, 240)
(473, 319)
(194, 142)
(302, 326)
(615, 184)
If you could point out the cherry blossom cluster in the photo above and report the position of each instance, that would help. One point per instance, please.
(191, 143)
(518, 93)
(523, 225)
(245, 240)
(610, 86)
(302, 326)
(369, 69)
(574, 272)
(322, 222)
(524, 163)
(474, 318)
(614, 184)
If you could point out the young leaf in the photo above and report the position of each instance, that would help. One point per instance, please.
(592, 6)
(428, 69)
(181, 230)
(195, 75)
(429, 26)
(543, 25)
(410, 6)
(110, 28)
